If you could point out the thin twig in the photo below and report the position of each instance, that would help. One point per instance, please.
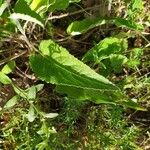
(12, 58)
(72, 13)
(23, 75)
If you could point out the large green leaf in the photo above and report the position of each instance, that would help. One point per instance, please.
(23, 11)
(71, 76)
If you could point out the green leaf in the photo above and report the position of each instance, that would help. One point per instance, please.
(39, 87)
(29, 93)
(38, 3)
(22, 93)
(42, 145)
(79, 27)
(128, 24)
(71, 76)
(32, 91)
(105, 48)
(74, 1)
(28, 1)
(12, 102)
(137, 4)
(44, 129)
(59, 5)
(50, 115)
(23, 11)
(31, 114)
(16, 16)
(1, 2)
(134, 105)
(8, 68)
(105, 67)
(94, 95)
(133, 63)
(147, 80)
(117, 61)
(136, 53)
(3, 7)
(135, 56)
(4, 78)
